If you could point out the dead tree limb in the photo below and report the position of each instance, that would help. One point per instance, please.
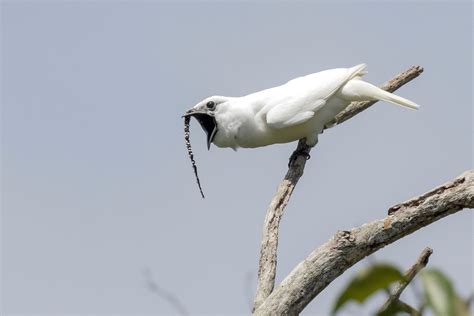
(268, 250)
(410, 274)
(346, 248)
(169, 297)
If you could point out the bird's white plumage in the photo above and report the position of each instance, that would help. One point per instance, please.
(297, 109)
(299, 99)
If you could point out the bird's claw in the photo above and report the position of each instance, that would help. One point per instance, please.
(295, 155)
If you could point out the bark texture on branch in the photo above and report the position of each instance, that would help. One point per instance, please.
(269, 245)
(346, 248)
(410, 274)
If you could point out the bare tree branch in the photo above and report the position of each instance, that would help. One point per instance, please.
(346, 248)
(268, 250)
(172, 299)
(410, 274)
(468, 301)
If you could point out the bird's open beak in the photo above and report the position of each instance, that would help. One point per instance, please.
(208, 123)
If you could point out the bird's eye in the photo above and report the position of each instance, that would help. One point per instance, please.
(211, 105)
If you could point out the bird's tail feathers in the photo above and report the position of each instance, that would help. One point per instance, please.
(397, 100)
(358, 90)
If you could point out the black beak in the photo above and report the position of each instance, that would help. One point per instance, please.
(208, 124)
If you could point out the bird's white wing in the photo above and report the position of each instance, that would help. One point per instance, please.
(299, 99)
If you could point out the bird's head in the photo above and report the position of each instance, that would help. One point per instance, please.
(206, 111)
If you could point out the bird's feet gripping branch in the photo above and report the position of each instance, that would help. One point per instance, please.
(302, 150)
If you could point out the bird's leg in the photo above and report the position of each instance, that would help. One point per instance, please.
(302, 150)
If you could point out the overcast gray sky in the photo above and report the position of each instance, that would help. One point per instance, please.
(97, 184)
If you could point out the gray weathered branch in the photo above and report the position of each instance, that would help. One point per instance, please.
(410, 274)
(169, 297)
(268, 251)
(346, 248)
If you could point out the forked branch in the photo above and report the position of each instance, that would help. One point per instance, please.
(268, 251)
(346, 248)
(410, 274)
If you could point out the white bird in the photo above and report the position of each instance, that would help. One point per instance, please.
(300, 108)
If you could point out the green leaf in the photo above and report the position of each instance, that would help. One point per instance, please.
(395, 309)
(367, 282)
(439, 292)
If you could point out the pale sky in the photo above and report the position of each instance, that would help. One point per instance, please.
(96, 181)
